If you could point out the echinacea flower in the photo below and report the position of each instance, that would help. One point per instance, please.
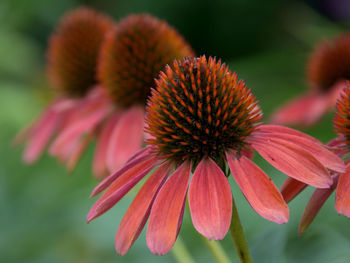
(131, 56)
(341, 180)
(72, 58)
(328, 69)
(200, 118)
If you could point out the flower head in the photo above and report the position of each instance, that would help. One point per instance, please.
(134, 53)
(328, 69)
(329, 63)
(200, 118)
(72, 58)
(200, 109)
(341, 179)
(73, 51)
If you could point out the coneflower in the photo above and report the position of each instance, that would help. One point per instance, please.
(328, 69)
(72, 58)
(341, 181)
(200, 118)
(131, 56)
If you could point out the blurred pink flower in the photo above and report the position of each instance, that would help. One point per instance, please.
(328, 70)
(71, 68)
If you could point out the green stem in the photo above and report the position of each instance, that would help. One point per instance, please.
(180, 252)
(217, 251)
(238, 237)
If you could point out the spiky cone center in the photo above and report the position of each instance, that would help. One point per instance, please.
(329, 63)
(200, 109)
(341, 120)
(73, 51)
(134, 53)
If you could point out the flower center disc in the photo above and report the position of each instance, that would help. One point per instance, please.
(134, 53)
(198, 109)
(73, 51)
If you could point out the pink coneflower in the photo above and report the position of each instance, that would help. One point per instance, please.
(341, 181)
(71, 70)
(328, 69)
(200, 118)
(131, 56)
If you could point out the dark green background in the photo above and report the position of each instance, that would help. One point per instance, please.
(43, 209)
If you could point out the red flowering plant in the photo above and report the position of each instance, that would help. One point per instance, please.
(341, 181)
(327, 71)
(201, 118)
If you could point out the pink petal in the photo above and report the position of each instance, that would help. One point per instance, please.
(342, 200)
(317, 200)
(291, 188)
(40, 135)
(324, 156)
(258, 188)
(100, 168)
(77, 152)
(284, 130)
(110, 179)
(138, 212)
(121, 186)
(166, 214)
(76, 128)
(293, 160)
(210, 200)
(126, 138)
(305, 110)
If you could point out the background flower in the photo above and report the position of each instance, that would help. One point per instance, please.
(327, 71)
(72, 70)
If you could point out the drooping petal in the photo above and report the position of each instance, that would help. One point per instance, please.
(291, 188)
(293, 160)
(100, 168)
(121, 186)
(40, 135)
(258, 188)
(283, 129)
(324, 156)
(304, 111)
(166, 214)
(126, 138)
(138, 212)
(342, 200)
(210, 200)
(75, 155)
(318, 198)
(75, 129)
(110, 179)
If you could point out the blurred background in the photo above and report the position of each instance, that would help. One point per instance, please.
(43, 208)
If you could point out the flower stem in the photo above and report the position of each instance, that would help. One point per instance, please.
(238, 237)
(180, 252)
(217, 251)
